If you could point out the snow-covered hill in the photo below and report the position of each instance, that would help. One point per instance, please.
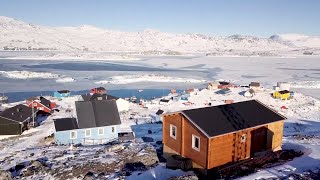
(15, 34)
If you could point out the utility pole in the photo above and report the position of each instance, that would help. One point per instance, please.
(33, 115)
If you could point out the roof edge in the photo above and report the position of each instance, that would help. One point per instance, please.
(206, 134)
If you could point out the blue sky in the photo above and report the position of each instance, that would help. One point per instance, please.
(223, 17)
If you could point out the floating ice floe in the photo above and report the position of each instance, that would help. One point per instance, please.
(63, 80)
(147, 78)
(28, 75)
(36, 75)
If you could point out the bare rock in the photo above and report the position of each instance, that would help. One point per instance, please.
(5, 175)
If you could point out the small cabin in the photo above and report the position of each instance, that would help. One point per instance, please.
(41, 104)
(225, 85)
(98, 90)
(249, 93)
(164, 101)
(97, 122)
(15, 120)
(217, 135)
(283, 95)
(62, 94)
(255, 86)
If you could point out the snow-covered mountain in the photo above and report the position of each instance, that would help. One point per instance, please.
(15, 34)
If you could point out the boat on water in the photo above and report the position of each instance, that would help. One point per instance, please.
(140, 90)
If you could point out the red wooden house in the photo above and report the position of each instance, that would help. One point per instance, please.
(41, 104)
(217, 135)
(98, 90)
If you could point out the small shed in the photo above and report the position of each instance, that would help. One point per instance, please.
(98, 90)
(249, 93)
(62, 94)
(15, 120)
(217, 135)
(284, 95)
(97, 122)
(41, 104)
(164, 101)
(255, 86)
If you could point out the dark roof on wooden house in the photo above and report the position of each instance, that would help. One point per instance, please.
(224, 83)
(45, 102)
(91, 114)
(284, 92)
(100, 88)
(159, 112)
(254, 84)
(96, 96)
(223, 119)
(97, 113)
(65, 124)
(164, 100)
(18, 113)
(63, 91)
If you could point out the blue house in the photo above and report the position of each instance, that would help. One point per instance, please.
(223, 91)
(62, 94)
(97, 122)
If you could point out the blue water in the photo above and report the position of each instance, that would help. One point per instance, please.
(123, 93)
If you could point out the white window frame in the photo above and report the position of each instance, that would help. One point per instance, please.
(194, 137)
(85, 132)
(75, 134)
(100, 134)
(174, 136)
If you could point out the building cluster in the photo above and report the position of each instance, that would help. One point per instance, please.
(209, 136)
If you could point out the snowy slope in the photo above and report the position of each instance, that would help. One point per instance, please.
(299, 40)
(24, 36)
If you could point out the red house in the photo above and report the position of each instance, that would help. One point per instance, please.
(41, 104)
(98, 90)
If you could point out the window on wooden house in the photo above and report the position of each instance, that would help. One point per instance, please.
(173, 131)
(195, 142)
(34, 104)
(100, 131)
(73, 134)
(113, 129)
(87, 132)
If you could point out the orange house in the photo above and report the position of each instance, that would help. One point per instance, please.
(217, 135)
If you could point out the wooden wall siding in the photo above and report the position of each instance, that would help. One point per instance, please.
(228, 148)
(199, 157)
(174, 144)
(275, 134)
